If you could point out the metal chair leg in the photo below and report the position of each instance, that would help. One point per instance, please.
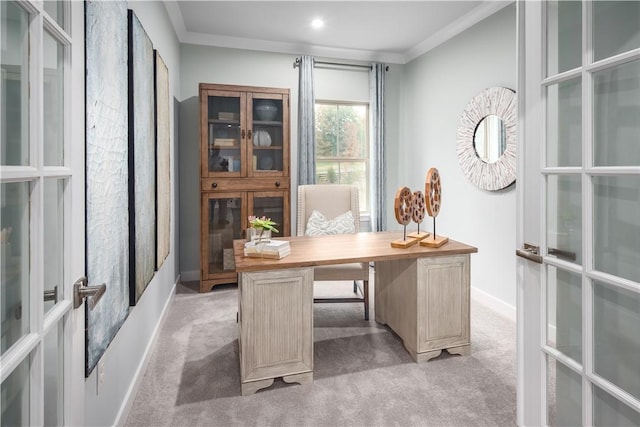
(365, 290)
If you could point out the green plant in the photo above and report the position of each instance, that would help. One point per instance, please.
(262, 223)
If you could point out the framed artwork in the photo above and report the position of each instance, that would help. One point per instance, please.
(163, 166)
(107, 172)
(142, 159)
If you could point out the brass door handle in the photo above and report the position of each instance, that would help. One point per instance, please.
(530, 252)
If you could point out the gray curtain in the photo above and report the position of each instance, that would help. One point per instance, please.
(378, 167)
(306, 123)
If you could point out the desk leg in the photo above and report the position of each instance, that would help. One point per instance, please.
(276, 327)
(426, 302)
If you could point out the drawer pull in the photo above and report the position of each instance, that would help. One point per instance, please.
(277, 183)
(214, 185)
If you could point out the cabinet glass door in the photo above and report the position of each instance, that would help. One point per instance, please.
(224, 221)
(272, 204)
(269, 141)
(224, 134)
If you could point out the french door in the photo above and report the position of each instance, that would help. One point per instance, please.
(41, 212)
(579, 204)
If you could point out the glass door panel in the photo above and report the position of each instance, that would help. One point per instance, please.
(564, 118)
(53, 345)
(270, 207)
(53, 101)
(564, 36)
(15, 262)
(609, 411)
(564, 217)
(564, 312)
(15, 396)
(616, 336)
(225, 222)
(53, 240)
(616, 245)
(224, 132)
(616, 117)
(14, 62)
(267, 135)
(615, 27)
(564, 395)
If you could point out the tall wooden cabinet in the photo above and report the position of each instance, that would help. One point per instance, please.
(244, 170)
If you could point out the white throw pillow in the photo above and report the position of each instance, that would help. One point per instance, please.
(318, 225)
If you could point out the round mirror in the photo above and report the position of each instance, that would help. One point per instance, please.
(486, 140)
(489, 139)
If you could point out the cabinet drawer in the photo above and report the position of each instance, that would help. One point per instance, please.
(244, 184)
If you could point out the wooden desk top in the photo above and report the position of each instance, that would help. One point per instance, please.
(311, 251)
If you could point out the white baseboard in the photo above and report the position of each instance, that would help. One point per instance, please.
(190, 276)
(494, 303)
(123, 414)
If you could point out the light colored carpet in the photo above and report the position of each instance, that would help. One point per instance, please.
(362, 374)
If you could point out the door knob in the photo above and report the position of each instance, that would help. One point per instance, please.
(530, 252)
(82, 291)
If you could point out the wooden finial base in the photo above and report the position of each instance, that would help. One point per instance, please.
(419, 236)
(434, 241)
(403, 244)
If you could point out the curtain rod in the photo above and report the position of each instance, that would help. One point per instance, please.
(296, 63)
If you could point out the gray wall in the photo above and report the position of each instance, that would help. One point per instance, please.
(438, 86)
(125, 356)
(204, 64)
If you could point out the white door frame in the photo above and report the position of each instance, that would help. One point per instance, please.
(532, 223)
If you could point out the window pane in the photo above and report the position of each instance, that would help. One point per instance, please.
(608, 411)
(616, 336)
(616, 27)
(14, 259)
(564, 36)
(336, 172)
(53, 101)
(616, 129)
(15, 397)
(55, 9)
(616, 210)
(14, 61)
(564, 217)
(564, 312)
(53, 239)
(564, 395)
(53, 345)
(564, 124)
(341, 130)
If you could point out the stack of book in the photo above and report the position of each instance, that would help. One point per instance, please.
(274, 249)
(225, 115)
(224, 142)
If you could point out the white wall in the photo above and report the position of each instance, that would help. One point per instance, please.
(204, 64)
(438, 86)
(125, 357)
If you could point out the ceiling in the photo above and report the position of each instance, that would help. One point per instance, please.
(385, 31)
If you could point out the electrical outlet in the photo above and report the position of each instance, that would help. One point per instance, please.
(99, 376)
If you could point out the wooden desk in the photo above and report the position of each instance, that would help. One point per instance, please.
(421, 293)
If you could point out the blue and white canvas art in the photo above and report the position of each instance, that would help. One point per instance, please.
(142, 171)
(163, 150)
(107, 191)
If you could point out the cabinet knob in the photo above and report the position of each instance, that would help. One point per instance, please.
(242, 134)
(277, 183)
(214, 185)
(249, 133)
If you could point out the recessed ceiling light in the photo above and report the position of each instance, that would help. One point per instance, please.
(317, 23)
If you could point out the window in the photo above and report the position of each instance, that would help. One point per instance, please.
(342, 146)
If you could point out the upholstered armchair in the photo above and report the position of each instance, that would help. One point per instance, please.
(336, 211)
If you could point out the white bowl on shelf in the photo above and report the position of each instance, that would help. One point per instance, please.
(266, 110)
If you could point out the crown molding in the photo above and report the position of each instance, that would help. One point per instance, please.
(476, 15)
